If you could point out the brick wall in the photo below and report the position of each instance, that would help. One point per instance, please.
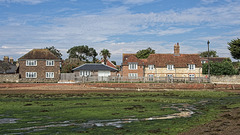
(126, 71)
(9, 77)
(41, 70)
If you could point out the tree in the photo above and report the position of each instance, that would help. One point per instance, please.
(114, 62)
(70, 64)
(234, 48)
(83, 53)
(143, 54)
(212, 53)
(220, 68)
(105, 54)
(4, 66)
(55, 51)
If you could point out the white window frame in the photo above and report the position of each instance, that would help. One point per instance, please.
(50, 62)
(170, 67)
(150, 67)
(31, 62)
(85, 73)
(191, 66)
(133, 75)
(150, 77)
(133, 66)
(49, 74)
(31, 74)
(191, 76)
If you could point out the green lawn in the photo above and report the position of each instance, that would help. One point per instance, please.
(77, 113)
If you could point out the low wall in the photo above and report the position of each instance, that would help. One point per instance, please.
(9, 78)
(36, 80)
(226, 79)
(186, 86)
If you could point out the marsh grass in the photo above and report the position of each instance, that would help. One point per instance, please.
(51, 109)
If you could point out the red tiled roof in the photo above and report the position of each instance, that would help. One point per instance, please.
(39, 54)
(132, 58)
(109, 63)
(215, 59)
(162, 60)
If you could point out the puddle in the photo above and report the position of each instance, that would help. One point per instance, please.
(185, 110)
(8, 120)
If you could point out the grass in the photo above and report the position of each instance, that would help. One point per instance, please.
(51, 109)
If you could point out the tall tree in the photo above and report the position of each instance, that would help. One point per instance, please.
(55, 51)
(234, 48)
(212, 53)
(84, 53)
(105, 54)
(143, 54)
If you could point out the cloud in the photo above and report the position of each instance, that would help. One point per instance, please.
(209, 1)
(32, 2)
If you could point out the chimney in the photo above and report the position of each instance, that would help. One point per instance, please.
(6, 59)
(176, 50)
(11, 60)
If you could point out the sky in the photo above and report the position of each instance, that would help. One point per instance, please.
(121, 26)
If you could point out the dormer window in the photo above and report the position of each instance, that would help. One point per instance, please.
(150, 67)
(191, 66)
(170, 67)
(31, 62)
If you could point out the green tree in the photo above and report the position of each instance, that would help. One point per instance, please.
(55, 51)
(84, 53)
(212, 53)
(143, 54)
(220, 68)
(234, 48)
(105, 54)
(70, 64)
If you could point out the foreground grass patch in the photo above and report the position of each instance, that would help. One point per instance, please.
(74, 113)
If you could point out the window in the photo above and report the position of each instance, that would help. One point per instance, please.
(31, 63)
(170, 67)
(150, 77)
(150, 67)
(50, 63)
(31, 74)
(85, 73)
(203, 61)
(133, 75)
(133, 65)
(49, 74)
(191, 66)
(191, 76)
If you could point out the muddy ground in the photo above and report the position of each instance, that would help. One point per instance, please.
(228, 122)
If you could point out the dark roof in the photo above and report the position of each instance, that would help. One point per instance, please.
(94, 67)
(162, 60)
(39, 54)
(12, 70)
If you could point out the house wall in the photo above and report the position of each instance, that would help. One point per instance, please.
(41, 70)
(126, 71)
(177, 72)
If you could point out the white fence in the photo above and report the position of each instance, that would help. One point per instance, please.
(70, 77)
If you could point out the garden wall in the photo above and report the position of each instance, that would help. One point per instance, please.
(9, 77)
(226, 79)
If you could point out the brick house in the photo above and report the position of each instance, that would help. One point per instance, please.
(39, 65)
(162, 65)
